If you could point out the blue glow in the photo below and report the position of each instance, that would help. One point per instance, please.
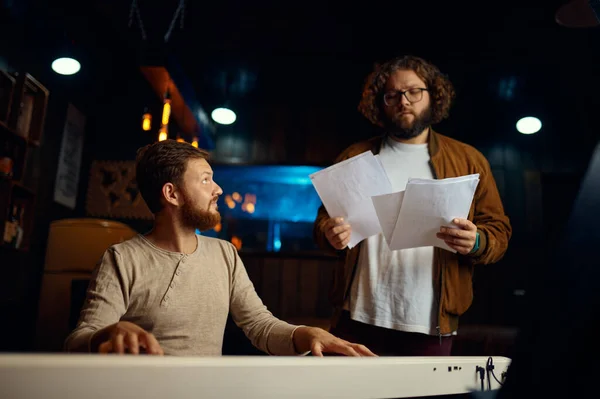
(277, 236)
(283, 193)
(276, 174)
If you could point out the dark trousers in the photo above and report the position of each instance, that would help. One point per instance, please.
(388, 342)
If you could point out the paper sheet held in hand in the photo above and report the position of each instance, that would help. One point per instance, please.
(411, 218)
(346, 189)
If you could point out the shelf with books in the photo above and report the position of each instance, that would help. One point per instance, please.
(18, 203)
(13, 153)
(23, 103)
(8, 133)
(28, 109)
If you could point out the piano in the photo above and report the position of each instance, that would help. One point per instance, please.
(92, 376)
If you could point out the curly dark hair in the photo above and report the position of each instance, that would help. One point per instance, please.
(440, 88)
(160, 163)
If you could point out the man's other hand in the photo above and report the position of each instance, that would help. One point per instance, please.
(337, 232)
(125, 337)
(462, 239)
(318, 341)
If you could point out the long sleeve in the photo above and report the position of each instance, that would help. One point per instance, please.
(492, 223)
(265, 331)
(105, 304)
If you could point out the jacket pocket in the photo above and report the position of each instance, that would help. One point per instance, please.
(458, 287)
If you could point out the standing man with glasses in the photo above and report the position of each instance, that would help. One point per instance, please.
(407, 302)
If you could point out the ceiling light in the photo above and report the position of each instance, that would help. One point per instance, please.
(529, 125)
(66, 66)
(224, 116)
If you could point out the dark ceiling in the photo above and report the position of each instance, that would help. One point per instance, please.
(507, 59)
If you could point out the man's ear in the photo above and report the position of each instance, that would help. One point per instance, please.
(171, 195)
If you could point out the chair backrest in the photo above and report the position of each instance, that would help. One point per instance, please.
(74, 248)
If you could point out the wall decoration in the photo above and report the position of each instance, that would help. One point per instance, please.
(113, 192)
(69, 161)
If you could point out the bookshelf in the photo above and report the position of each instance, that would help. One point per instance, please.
(23, 103)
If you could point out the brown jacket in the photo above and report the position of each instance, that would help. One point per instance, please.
(453, 272)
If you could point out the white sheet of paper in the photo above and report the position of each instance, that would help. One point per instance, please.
(426, 205)
(387, 208)
(346, 189)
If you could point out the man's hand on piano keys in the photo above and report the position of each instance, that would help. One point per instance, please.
(125, 338)
(318, 341)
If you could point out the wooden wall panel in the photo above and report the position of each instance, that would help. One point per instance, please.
(309, 288)
(292, 286)
(271, 285)
(290, 283)
(254, 268)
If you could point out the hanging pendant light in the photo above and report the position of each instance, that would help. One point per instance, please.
(166, 108)
(146, 120)
(163, 133)
(66, 62)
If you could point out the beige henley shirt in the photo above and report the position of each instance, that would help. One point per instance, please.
(183, 300)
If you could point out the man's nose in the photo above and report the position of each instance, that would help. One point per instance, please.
(218, 189)
(403, 100)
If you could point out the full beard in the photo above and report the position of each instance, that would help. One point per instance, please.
(199, 219)
(401, 130)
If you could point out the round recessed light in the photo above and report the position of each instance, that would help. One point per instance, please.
(66, 66)
(529, 125)
(224, 116)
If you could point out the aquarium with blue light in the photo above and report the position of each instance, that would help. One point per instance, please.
(267, 208)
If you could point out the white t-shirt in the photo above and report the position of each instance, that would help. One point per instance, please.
(395, 289)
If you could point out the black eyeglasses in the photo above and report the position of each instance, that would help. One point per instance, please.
(393, 97)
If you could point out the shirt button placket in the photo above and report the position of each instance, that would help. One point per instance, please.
(179, 266)
(165, 301)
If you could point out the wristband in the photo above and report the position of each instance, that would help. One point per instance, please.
(476, 246)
